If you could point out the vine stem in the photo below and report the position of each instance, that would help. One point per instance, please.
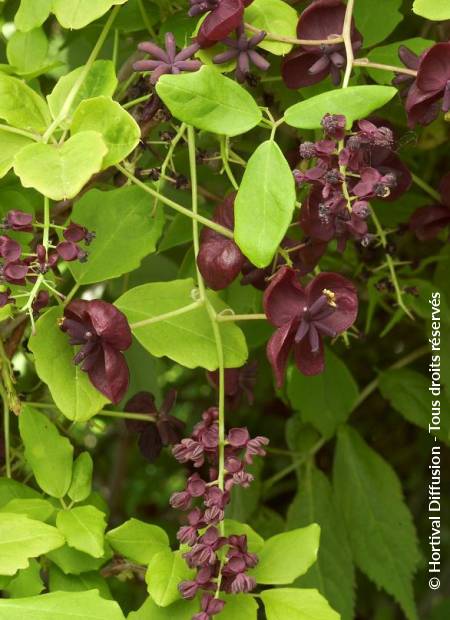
(6, 431)
(270, 36)
(129, 415)
(79, 82)
(347, 37)
(167, 315)
(20, 132)
(168, 158)
(426, 188)
(222, 318)
(174, 205)
(365, 62)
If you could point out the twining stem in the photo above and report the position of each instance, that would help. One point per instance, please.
(6, 431)
(270, 36)
(146, 19)
(168, 158)
(347, 36)
(221, 318)
(167, 315)
(365, 62)
(174, 205)
(130, 415)
(46, 231)
(226, 163)
(79, 82)
(426, 188)
(131, 104)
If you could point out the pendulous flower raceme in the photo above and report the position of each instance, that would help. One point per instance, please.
(221, 561)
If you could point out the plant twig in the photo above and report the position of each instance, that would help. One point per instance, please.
(365, 62)
(270, 36)
(347, 36)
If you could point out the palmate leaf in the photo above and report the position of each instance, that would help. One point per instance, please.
(382, 535)
(138, 541)
(166, 570)
(77, 14)
(83, 528)
(296, 604)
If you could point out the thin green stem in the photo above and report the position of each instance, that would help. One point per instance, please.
(379, 228)
(131, 104)
(222, 318)
(6, 431)
(20, 132)
(145, 19)
(398, 291)
(167, 315)
(115, 47)
(145, 417)
(71, 293)
(46, 231)
(168, 158)
(226, 163)
(270, 36)
(365, 62)
(194, 198)
(426, 188)
(347, 36)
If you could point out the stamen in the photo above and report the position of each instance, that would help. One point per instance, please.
(331, 297)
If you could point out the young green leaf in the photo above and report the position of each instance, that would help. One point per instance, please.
(27, 51)
(80, 487)
(84, 529)
(73, 562)
(61, 606)
(138, 541)
(273, 16)
(77, 14)
(376, 20)
(181, 610)
(21, 106)
(47, 453)
(333, 573)
(266, 197)
(11, 489)
(210, 101)
(32, 14)
(354, 102)
(436, 10)
(286, 556)
(295, 604)
(239, 607)
(166, 570)
(379, 524)
(36, 508)
(125, 230)
(27, 582)
(22, 538)
(119, 130)
(60, 172)
(186, 338)
(69, 386)
(11, 145)
(59, 582)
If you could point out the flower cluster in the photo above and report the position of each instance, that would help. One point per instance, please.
(167, 60)
(221, 561)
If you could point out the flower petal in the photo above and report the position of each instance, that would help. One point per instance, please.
(427, 222)
(110, 375)
(284, 298)
(278, 349)
(434, 69)
(220, 22)
(295, 67)
(307, 362)
(110, 324)
(346, 299)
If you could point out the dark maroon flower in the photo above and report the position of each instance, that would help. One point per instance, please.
(244, 51)
(220, 260)
(19, 220)
(374, 135)
(211, 606)
(5, 298)
(15, 272)
(167, 60)
(69, 251)
(308, 65)
(225, 17)
(238, 382)
(103, 332)
(309, 255)
(40, 302)
(334, 126)
(327, 306)
(427, 222)
(76, 233)
(10, 250)
(373, 183)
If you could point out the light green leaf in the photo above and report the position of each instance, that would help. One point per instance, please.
(47, 453)
(210, 101)
(12, 143)
(266, 196)
(286, 556)
(125, 229)
(167, 569)
(69, 386)
(325, 400)
(181, 610)
(436, 10)
(77, 14)
(333, 573)
(239, 607)
(188, 339)
(354, 102)
(119, 130)
(73, 562)
(100, 80)
(376, 20)
(22, 538)
(138, 541)
(81, 484)
(58, 581)
(11, 489)
(294, 604)
(36, 508)
(273, 16)
(27, 51)
(84, 529)
(61, 606)
(21, 106)
(379, 524)
(60, 172)
(27, 582)
(32, 14)
(388, 55)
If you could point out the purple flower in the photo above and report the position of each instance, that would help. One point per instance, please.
(238, 382)
(76, 233)
(167, 60)
(373, 183)
(327, 306)
(334, 126)
(211, 606)
(103, 332)
(427, 222)
(15, 272)
(225, 16)
(19, 220)
(10, 250)
(309, 64)
(40, 302)
(5, 298)
(69, 251)
(244, 51)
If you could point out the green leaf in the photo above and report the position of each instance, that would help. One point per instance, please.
(58, 582)
(166, 570)
(100, 80)
(61, 606)
(47, 453)
(286, 556)
(388, 55)
(239, 607)
(295, 604)
(273, 16)
(11, 145)
(254, 540)
(436, 10)
(27, 51)
(126, 231)
(32, 14)
(266, 196)
(11, 489)
(27, 582)
(210, 101)
(188, 339)
(69, 386)
(376, 20)
(81, 485)
(77, 14)
(119, 130)
(380, 527)
(21, 106)
(355, 102)
(36, 508)
(325, 400)
(138, 541)
(22, 538)
(84, 529)
(181, 610)
(333, 573)
(73, 562)
(60, 172)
